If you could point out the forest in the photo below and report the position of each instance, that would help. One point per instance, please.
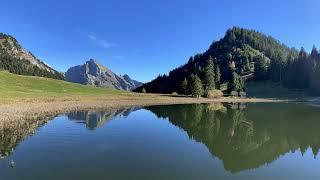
(241, 55)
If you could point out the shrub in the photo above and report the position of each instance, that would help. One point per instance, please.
(234, 93)
(214, 94)
(174, 94)
(242, 94)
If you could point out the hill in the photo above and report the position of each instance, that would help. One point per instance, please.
(17, 86)
(243, 54)
(15, 59)
(94, 73)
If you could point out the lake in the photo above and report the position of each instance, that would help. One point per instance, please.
(199, 141)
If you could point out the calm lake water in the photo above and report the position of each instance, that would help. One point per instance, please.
(200, 142)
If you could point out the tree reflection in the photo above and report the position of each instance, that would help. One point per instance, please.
(246, 138)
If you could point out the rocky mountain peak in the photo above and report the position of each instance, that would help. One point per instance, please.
(126, 77)
(94, 73)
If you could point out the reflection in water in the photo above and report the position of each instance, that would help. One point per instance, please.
(247, 138)
(96, 119)
(12, 134)
(242, 136)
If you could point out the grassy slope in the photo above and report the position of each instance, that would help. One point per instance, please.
(14, 87)
(269, 89)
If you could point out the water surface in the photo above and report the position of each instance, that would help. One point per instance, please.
(203, 141)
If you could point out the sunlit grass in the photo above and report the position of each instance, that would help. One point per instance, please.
(15, 87)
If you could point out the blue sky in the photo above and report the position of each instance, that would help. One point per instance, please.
(145, 38)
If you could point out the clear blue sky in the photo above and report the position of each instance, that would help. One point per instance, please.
(144, 38)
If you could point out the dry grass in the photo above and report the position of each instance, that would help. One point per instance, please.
(215, 94)
(35, 107)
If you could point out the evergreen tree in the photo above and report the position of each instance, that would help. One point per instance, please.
(195, 86)
(190, 60)
(301, 71)
(184, 87)
(260, 68)
(217, 76)
(236, 83)
(313, 59)
(209, 80)
(231, 36)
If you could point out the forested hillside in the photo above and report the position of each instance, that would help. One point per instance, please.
(240, 55)
(15, 59)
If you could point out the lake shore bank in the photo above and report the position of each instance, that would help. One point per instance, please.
(42, 107)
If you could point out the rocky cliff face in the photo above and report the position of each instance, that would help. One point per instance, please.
(93, 73)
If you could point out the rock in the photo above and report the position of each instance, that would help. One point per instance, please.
(93, 73)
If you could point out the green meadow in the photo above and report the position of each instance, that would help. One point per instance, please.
(15, 87)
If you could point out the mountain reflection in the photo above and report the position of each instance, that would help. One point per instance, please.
(96, 119)
(11, 134)
(247, 138)
(242, 136)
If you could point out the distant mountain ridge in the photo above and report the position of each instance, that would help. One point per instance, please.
(15, 59)
(93, 73)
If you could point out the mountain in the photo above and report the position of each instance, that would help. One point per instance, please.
(15, 59)
(93, 73)
(239, 55)
(131, 81)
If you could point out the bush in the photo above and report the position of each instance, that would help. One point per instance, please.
(234, 93)
(242, 94)
(214, 94)
(174, 94)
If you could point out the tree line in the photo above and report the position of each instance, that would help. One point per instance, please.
(301, 72)
(202, 81)
(241, 52)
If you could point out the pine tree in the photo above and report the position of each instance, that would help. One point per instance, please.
(260, 68)
(195, 86)
(217, 76)
(313, 59)
(231, 36)
(236, 83)
(302, 70)
(209, 79)
(184, 87)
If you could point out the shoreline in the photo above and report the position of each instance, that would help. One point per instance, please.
(19, 119)
(22, 110)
